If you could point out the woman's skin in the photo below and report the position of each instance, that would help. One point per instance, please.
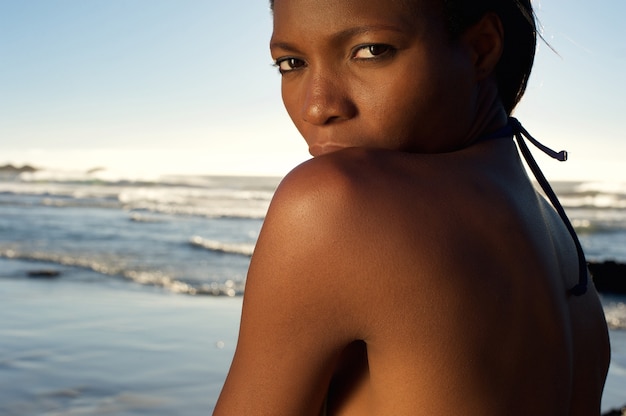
(406, 270)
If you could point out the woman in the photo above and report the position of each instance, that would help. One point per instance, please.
(410, 267)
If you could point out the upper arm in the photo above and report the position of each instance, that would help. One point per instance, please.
(296, 318)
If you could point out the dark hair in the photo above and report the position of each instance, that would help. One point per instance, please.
(520, 40)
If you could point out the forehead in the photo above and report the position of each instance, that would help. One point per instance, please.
(331, 15)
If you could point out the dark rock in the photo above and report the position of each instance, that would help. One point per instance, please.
(44, 274)
(609, 276)
(95, 170)
(616, 412)
(14, 169)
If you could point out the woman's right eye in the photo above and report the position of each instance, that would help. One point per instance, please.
(285, 65)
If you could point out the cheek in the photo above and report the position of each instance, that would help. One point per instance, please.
(290, 101)
(428, 106)
(293, 104)
(399, 104)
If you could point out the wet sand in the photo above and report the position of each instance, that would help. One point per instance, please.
(75, 349)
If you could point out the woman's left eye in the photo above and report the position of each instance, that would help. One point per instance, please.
(372, 51)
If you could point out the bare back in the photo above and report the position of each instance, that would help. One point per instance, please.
(425, 284)
(478, 316)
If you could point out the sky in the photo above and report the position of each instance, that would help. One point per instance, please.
(187, 87)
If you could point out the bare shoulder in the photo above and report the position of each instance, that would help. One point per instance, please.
(326, 217)
(354, 194)
(300, 310)
(345, 230)
(411, 213)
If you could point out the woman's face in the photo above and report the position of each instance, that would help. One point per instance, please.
(373, 73)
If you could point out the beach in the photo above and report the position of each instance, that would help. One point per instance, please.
(122, 297)
(69, 350)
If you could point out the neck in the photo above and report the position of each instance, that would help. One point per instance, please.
(489, 114)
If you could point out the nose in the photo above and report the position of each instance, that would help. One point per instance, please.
(326, 101)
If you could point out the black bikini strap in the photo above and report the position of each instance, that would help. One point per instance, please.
(521, 133)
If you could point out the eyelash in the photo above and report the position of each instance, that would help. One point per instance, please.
(387, 50)
(296, 64)
(280, 61)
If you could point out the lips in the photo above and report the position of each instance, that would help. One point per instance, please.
(322, 149)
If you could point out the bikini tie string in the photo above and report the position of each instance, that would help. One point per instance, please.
(520, 133)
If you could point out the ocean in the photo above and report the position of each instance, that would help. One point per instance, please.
(193, 236)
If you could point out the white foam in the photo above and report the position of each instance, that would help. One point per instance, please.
(615, 313)
(142, 277)
(245, 249)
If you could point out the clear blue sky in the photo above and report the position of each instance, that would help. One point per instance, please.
(187, 86)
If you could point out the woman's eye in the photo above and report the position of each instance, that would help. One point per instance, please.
(372, 51)
(289, 64)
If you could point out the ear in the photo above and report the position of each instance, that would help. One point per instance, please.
(485, 41)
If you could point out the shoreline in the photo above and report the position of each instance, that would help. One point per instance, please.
(609, 276)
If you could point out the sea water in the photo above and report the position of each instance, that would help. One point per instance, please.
(194, 235)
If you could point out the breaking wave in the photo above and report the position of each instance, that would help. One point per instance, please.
(142, 277)
(243, 249)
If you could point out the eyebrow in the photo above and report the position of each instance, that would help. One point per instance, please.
(341, 35)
